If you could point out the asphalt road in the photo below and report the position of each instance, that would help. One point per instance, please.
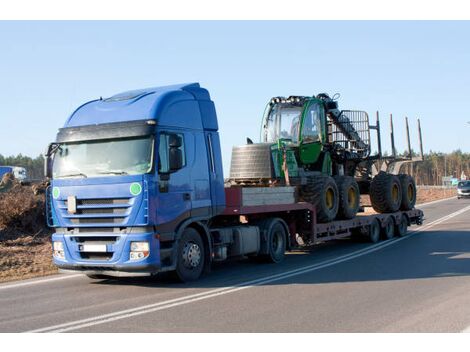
(419, 283)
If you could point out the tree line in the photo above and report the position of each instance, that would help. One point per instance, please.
(431, 171)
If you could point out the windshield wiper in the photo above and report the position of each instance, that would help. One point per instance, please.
(114, 172)
(76, 174)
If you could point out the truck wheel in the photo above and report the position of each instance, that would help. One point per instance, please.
(385, 193)
(401, 229)
(275, 241)
(374, 231)
(322, 192)
(190, 256)
(408, 189)
(388, 231)
(349, 197)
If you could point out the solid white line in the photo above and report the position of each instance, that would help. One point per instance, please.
(37, 282)
(101, 319)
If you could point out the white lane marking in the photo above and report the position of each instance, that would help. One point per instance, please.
(123, 314)
(37, 282)
(436, 201)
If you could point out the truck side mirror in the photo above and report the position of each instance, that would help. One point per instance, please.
(174, 141)
(176, 159)
(48, 161)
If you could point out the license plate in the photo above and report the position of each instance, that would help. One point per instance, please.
(92, 248)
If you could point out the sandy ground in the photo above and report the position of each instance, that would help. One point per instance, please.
(31, 256)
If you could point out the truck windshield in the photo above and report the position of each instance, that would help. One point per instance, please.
(128, 156)
(283, 122)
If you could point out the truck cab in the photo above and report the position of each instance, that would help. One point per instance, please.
(128, 175)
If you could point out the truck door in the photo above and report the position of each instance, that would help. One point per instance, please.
(174, 178)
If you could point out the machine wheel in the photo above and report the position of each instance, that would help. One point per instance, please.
(385, 193)
(408, 189)
(401, 229)
(190, 256)
(349, 197)
(388, 231)
(275, 241)
(322, 192)
(374, 231)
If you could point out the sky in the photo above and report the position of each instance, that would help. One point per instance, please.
(415, 69)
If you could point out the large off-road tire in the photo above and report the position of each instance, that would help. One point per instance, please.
(190, 257)
(408, 191)
(322, 192)
(385, 193)
(349, 197)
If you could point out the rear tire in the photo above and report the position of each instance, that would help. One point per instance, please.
(322, 192)
(190, 256)
(373, 234)
(349, 197)
(385, 193)
(401, 229)
(408, 190)
(275, 241)
(388, 231)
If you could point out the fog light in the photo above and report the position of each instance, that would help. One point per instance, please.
(58, 248)
(139, 250)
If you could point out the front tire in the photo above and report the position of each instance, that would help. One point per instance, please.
(190, 256)
(322, 192)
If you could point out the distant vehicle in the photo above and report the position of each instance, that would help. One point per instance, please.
(17, 171)
(463, 189)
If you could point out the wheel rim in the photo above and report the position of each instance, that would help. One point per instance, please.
(330, 195)
(410, 193)
(351, 197)
(191, 255)
(395, 193)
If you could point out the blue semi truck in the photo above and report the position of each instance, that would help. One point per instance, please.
(137, 188)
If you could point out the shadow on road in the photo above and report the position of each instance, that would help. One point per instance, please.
(428, 254)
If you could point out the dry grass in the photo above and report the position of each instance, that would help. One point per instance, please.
(25, 245)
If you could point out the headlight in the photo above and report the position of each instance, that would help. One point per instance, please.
(58, 248)
(139, 250)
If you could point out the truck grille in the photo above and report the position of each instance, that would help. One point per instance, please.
(98, 211)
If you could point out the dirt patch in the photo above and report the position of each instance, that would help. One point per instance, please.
(25, 245)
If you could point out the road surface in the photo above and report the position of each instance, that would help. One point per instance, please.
(419, 283)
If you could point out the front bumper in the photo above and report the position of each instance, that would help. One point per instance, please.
(463, 194)
(115, 261)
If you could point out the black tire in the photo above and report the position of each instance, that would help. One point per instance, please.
(322, 192)
(373, 234)
(385, 193)
(408, 190)
(401, 229)
(388, 231)
(275, 245)
(190, 257)
(349, 197)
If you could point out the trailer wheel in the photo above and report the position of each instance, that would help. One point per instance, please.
(190, 256)
(385, 193)
(322, 192)
(401, 229)
(349, 197)
(275, 241)
(408, 189)
(374, 231)
(388, 231)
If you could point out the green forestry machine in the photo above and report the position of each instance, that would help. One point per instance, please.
(308, 143)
